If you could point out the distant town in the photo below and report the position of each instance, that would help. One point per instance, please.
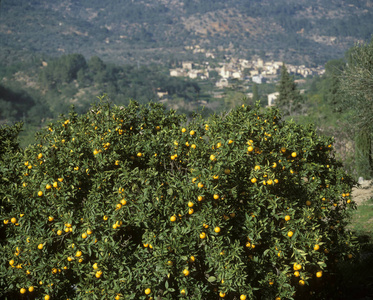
(258, 71)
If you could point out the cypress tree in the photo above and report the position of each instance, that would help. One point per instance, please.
(289, 98)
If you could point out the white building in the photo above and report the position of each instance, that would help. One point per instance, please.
(272, 98)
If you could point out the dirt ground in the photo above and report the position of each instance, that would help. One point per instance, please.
(363, 193)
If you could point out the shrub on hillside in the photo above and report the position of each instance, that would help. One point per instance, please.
(137, 203)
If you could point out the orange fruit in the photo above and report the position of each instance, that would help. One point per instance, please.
(22, 290)
(186, 272)
(301, 282)
(316, 247)
(318, 274)
(243, 297)
(40, 246)
(59, 232)
(50, 218)
(296, 274)
(192, 132)
(290, 234)
(173, 219)
(31, 289)
(40, 193)
(13, 220)
(192, 259)
(190, 204)
(48, 186)
(253, 180)
(147, 291)
(217, 229)
(221, 294)
(202, 235)
(287, 218)
(78, 253)
(216, 196)
(47, 297)
(294, 154)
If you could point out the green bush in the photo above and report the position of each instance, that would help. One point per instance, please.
(139, 203)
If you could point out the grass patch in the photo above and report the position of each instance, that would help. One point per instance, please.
(355, 280)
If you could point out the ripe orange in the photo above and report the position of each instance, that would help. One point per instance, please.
(13, 220)
(212, 157)
(47, 297)
(202, 235)
(95, 266)
(123, 202)
(257, 168)
(296, 274)
(200, 185)
(301, 282)
(173, 219)
(253, 180)
(89, 231)
(31, 289)
(217, 229)
(192, 132)
(216, 196)
(11, 262)
(190, 211)
(186, 272)
(78, 253)
(243, 297)
(250, 148)
(192, 259)
(147, 291)
(290, 234)
(182, 292)
(294, 154)
(59, 232)
(319, 274)
(22, 290)
(50, 218)
(98, 274)
(40, 246)
(287, 218)
(221, 294)
(84, 235)
(190, 204)
(48, 186)
(40, 193)
(183, 130)
(316, 247)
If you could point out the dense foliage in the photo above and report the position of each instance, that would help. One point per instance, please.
(136, 203)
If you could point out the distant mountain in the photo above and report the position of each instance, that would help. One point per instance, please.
(123, 31)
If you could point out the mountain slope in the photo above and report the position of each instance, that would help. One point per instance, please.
(152, 30)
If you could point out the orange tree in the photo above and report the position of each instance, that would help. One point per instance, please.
(138, 203)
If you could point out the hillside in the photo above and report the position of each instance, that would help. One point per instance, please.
(145, 31)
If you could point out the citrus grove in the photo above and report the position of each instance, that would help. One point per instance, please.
(138, 202)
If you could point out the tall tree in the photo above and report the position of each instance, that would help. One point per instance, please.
(255, 93)
(357, 88)
(289, 99)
